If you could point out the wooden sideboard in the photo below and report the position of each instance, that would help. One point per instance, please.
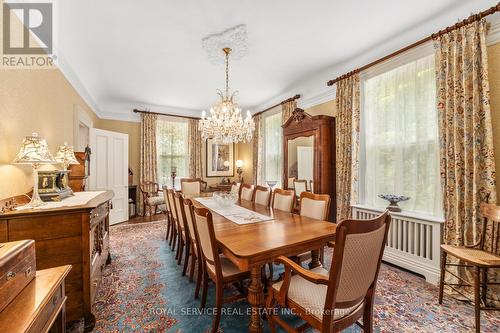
(77, 236)
(40, 307)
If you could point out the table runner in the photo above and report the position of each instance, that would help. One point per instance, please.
(234, 213)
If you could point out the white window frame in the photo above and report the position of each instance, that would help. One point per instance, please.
(412, 55)
(265, 115)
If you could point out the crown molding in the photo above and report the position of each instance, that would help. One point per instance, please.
(319, 98)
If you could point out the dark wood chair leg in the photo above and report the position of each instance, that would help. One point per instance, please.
(441, 278)
(219, 297)
(156, 209)
(199, 278)
(484, 288)
(194, 258)
(204, 290)
(477, 299)
(144, 207)
(270, 308)
(169, 225)
(174, 236)
(368, 314)
(186, 258)
(181, 248)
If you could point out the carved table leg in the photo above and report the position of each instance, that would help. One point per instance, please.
(314, 259)
(255, 298)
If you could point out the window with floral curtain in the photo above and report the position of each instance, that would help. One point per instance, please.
(399, 142)
(172, 150)
(272, 148)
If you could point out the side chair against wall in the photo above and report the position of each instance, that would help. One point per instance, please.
(332, 301)
(182, 232)
(246, 192)
(217, 267)
(262, 195)
(150, 197)
(173, 216)
(315, 206)
(283, 200)
(481, 257)
(300, 186)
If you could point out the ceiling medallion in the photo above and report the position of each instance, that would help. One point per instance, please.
(234, 38)
(225, 123)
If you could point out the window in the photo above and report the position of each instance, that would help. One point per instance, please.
(172, 150)
(399, 145)
(273, 148)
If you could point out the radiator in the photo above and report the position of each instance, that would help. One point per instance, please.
(413, 241)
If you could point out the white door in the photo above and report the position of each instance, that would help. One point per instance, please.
(109, 169)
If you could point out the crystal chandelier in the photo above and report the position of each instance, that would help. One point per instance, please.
(225, 123)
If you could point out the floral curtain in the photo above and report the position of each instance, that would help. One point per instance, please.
(347, 148)
(257, 149)
(287, 109)
(195, 149)
(465, 132)
(148, 167)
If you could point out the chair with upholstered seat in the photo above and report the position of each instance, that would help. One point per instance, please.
(193, 185)
(193, 251)
(168, 212)
(300, 186)
(480, 257)
(283, 200)
(216, 267)
(246, 192)
(151, 198)
(261, 195)
(315, 206)
(331, 301)
(173, 216)
(182, 233)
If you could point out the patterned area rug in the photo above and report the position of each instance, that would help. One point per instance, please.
(143, 291)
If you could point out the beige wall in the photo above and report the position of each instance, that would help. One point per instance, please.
(494, 72)
(328, 108)
(33, 101)
(133, 129)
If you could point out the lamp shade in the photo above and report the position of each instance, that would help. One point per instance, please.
(66, 155)
(239, 163)
(34, 150)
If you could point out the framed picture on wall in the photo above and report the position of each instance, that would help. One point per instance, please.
(220, 159)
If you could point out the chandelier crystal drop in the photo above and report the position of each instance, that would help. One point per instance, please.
(225, 123)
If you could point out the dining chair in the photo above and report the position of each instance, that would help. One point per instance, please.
(300, 186)
(217, 267)
(193, 185)
(331, 301)
(315, 206)
(194, 250)
(182, 237)
(283, 199)
(173, 216)
(262, 195)
(480, 257)
(246, 192)
(150, 197)
(168, 213)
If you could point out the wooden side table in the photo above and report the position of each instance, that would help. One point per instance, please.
(40, 307)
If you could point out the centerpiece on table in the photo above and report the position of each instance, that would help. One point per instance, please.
(225, 199)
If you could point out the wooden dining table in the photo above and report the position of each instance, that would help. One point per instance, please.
(252, 246)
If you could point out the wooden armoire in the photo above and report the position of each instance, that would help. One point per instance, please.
(317, 133)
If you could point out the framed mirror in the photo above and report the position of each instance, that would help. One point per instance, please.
(309, 155)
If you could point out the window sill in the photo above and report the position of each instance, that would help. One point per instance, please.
(419, 216)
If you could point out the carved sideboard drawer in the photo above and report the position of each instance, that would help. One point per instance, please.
(99, 213)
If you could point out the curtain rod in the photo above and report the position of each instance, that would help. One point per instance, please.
(469, 20)
(165, 114)
(278, 104)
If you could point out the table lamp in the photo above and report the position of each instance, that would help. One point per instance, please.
(239, 170)
(34, 151)
(66, 156)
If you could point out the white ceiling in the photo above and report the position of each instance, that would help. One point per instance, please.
(130, 54)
